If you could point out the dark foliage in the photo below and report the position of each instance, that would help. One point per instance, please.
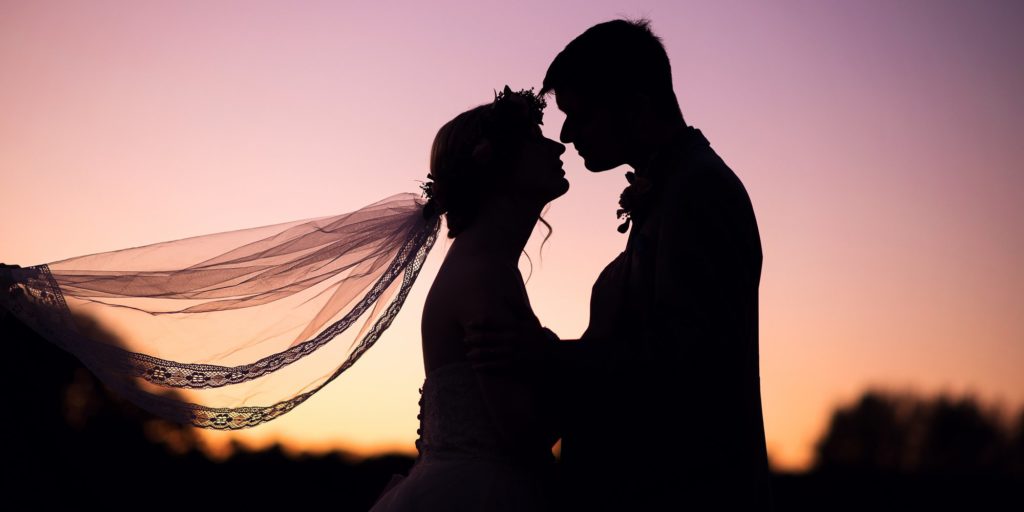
(75, 442)
(901, 451)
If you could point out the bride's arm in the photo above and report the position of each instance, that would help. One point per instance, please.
(512, 392)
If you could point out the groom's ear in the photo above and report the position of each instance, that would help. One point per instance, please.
(643, 104)
(635, 107)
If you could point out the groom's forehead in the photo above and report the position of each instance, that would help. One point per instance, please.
(567, 101)
(576, 102)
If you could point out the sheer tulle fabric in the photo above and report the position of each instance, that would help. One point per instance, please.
(233, 329)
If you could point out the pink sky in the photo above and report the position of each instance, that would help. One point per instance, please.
(879, 142)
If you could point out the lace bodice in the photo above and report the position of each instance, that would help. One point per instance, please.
(453, 416)
(454, 419)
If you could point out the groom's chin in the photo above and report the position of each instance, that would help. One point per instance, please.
(599, 166)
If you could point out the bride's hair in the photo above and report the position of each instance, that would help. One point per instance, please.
(462, 169)
(472, 153)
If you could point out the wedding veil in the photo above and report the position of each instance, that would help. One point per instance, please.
(233, 329)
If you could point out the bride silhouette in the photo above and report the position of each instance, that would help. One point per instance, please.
(251, 323)
(485, 438)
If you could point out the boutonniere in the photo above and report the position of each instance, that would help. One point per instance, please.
(632, 200)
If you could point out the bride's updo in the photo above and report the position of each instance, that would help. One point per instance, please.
(472, 154)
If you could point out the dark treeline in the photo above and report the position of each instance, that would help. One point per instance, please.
(901, 433)
(894, 450)
(71, 435)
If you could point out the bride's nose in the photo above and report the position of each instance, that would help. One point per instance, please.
(560, 148)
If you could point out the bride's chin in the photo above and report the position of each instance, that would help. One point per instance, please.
(560, 191)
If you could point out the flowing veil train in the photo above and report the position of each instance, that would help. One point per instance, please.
(230, 330)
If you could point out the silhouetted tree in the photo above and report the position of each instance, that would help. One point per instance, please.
(903, 433)
(960, 436)
(870, 436)
(901, 451)
(1016, 452)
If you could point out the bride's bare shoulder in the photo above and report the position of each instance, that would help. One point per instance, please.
(470, 288)
(466, 291)
(462, 276)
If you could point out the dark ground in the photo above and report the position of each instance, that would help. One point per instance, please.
(72, 442)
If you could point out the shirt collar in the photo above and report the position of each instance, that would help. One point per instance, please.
(682, 140)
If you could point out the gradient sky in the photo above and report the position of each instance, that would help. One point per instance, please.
(880, 143)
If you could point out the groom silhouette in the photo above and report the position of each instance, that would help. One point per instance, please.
(661, 395)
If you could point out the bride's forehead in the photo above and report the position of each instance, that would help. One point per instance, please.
(534, 133)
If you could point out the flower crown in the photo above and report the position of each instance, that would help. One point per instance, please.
(512, 111)
(534, 104)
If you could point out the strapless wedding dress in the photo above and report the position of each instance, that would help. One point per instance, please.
(462, 463)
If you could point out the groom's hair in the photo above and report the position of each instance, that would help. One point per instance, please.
(612, 57)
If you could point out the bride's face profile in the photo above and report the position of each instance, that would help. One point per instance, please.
(537, 175)
(489, 152)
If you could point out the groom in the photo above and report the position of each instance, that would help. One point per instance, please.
(661, 397)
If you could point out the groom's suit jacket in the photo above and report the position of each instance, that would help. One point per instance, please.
(664, 407)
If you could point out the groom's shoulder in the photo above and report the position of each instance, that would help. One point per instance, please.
(700, 172)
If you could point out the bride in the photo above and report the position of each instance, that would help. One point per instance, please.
(244, 326)
(485, 437)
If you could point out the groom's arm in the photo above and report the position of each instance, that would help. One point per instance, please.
(496, 350)
(569, 362)
(698, 279)
(706, 269)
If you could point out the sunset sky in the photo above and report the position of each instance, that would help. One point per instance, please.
(880, 143)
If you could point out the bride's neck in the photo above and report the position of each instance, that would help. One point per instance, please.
(502, 228)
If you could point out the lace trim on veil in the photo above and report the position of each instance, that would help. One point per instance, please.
(35, 297)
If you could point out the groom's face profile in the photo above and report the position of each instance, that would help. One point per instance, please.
(592, 129)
